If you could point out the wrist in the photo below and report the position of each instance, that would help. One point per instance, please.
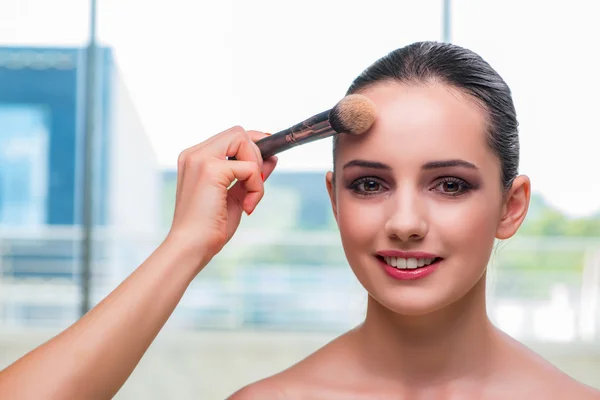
(191, 258)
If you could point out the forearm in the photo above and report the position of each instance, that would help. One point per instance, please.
(94, 357)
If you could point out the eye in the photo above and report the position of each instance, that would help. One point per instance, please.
(451, 186)
(367, 186)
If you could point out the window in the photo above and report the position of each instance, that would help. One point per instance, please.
(23, 165)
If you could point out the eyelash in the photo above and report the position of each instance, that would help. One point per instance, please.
(464, 187)
(355, 185)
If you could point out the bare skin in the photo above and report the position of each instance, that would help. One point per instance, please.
(429, 338)
(355, 367)
(93, 358)
(425, 339)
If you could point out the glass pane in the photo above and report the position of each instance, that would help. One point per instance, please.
(23, 165)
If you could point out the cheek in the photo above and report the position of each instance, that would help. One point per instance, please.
(360, 221)
(468, 226)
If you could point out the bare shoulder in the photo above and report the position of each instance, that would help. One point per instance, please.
(565, 387)
(536, 375)
(587, 393)
(312, 377)
(568, 387)
(266, 389)
(293, 383)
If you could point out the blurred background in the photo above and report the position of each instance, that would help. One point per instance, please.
(98, 100)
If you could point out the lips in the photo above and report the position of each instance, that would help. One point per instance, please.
(408, 265)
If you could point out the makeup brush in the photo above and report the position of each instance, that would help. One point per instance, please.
(354, 115)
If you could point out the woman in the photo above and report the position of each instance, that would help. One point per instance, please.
(419, 201)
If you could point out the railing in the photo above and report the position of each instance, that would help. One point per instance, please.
(539, 289)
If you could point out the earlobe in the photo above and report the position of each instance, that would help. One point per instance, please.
(515, 207)
(329, 181)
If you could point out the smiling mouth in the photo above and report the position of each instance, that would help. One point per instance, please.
(409, 263)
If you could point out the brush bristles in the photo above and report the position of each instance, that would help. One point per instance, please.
(354, 114)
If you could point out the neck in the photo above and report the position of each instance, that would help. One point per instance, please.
(450, 343)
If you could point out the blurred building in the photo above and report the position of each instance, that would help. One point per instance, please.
(41, 142)
(304, 194)
(41, 165)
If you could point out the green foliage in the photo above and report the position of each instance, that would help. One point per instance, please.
(544, 220)
(530, 274)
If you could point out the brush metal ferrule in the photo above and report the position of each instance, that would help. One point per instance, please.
(315, 132)
(314, 128)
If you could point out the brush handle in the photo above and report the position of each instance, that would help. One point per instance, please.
(314, 128)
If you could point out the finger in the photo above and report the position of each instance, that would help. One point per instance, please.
(235, 142)
(182, 160)
(248, 147)
(220, 135)
(269, 165)
(211, 140)
(181, 163)
(185, 154)
(239, 192)
(218, 141)
(249, 189)
(255, 136)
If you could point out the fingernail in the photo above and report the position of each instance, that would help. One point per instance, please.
(262, 176)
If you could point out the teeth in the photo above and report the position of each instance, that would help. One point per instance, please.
(401, 263)
(408, 263)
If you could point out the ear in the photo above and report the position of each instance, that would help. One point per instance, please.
(514, 210)
(331, 190)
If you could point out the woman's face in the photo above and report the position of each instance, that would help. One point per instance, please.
(419, 200)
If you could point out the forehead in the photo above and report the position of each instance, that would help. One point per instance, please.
(434, 121)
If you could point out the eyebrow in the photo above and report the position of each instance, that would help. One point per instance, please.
(367, 164)
(449, 164)
(428, 166)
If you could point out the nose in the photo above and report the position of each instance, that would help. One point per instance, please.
(407, 219)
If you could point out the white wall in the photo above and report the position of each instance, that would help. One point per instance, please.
(134, 186)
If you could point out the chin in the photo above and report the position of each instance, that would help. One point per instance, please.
(413, 301)
(424, 296)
